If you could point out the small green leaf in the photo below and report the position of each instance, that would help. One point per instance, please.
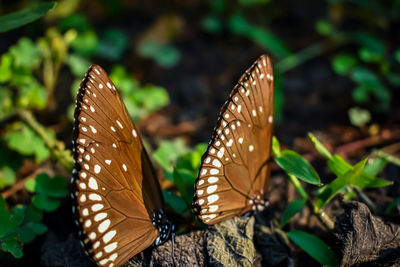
(22, 17)
(78, 64)
(25, 53)
(375, 166)
(359, 117)
(86, 43)
(343, 63)
(323, 27)
(292, 209)
(339, 167)
(319, 146)
(5, 68)
(212, 24)
(168, 152)
(175, 202)
(30, 185)
(52, 187)
(369, 56)
(13, 245)
(7, 176)
(330, 190)
(184, 180)
(112, 44)
(314, 247)
(292, 163)
(45, 203)
(26, 142)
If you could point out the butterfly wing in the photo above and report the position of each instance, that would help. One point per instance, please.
(118, 201)
(234, 173)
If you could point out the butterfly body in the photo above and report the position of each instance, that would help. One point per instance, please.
(234, 173)
(118, 201)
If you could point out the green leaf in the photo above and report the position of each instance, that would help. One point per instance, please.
(319, 146)
(369, 56)
(78, 64)
(212, 24)
(259, 35)
(45, 203)
(7, 176)
(330, 190)
(323, 27)
(168, 152)
(370, 42)
(75, 21)
(9, 222)
(112, 44)
(5, 68)
(375, 166)
(164, 55)
(52, 187)
(26, 142)
(339, 167)
(184, 180)
(123, 81)
(25, 53)
(363, 75)
(314, 247)
(23, 17)
(86, 43)
(292, 163)
(175, 202)
(13, 245)
(30, 185)
(276, 147)
(359, 117)
(292, 209)
(343, 63)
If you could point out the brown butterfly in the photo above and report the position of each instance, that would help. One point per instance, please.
(234, 172)
(118, 200)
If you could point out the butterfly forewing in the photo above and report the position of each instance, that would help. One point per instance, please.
(118, 201)
(234, 174)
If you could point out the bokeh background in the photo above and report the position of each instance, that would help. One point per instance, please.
(336, 67)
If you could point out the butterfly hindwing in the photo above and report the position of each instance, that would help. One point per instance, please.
(234, 174)
(117, 196)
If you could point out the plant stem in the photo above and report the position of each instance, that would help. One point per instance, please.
(321, 215)
(57, 148)
(388, 157)
(310, 52)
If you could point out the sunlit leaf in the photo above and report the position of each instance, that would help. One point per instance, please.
(319, 146)
(293, 163)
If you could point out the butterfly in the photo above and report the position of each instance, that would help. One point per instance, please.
(234, 174)
(118, 203)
